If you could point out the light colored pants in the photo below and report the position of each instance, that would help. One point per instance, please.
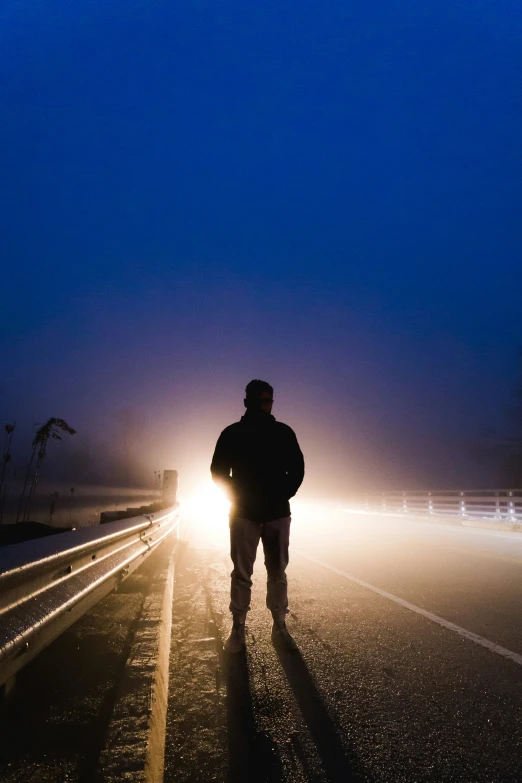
(244, 540)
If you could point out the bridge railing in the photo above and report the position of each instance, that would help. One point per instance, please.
(48, 583)
(502, 505)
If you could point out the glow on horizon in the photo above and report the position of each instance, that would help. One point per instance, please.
(205, 513)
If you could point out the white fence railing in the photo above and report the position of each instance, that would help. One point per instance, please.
(501, 505)
(48, 583)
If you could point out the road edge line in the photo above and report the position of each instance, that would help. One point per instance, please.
(462, 632)
(134, 747)
(155, 755)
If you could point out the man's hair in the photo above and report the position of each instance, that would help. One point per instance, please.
(254, 389)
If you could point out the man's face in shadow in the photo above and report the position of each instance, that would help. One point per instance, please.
(262, 405)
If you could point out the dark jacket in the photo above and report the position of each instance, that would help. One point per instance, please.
(259, 463)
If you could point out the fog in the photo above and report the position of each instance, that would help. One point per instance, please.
(348, 450)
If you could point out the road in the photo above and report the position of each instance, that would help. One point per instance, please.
(409, 665)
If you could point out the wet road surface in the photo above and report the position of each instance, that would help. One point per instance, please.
(378, 691)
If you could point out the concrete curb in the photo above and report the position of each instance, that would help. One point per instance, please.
(135, 743)
(155, 758)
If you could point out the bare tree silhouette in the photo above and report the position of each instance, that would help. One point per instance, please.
(49, 431)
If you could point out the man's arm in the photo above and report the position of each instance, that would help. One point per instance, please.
(220, 466)
(295, 465)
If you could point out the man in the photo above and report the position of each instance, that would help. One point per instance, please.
(259, 464)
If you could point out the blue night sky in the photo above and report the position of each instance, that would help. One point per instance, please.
(324, 195)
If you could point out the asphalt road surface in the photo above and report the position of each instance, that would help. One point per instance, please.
(409, 665)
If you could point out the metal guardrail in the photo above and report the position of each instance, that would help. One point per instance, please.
(47, 584)
(501, 505)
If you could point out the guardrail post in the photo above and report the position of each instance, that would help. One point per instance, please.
(170, 486)
(404, 503)
(497, 506)
(511, 508)
(462, 505)
(430, 504)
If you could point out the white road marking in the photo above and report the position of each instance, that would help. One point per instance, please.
(472, 637)
(155, 753)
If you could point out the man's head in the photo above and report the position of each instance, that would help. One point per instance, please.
(259, 397)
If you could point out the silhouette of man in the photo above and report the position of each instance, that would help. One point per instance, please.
(259, 464)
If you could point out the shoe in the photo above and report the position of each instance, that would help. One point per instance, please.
(236, 641)
(282, 639)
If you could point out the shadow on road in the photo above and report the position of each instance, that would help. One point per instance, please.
(251, 755)
(338, 765)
